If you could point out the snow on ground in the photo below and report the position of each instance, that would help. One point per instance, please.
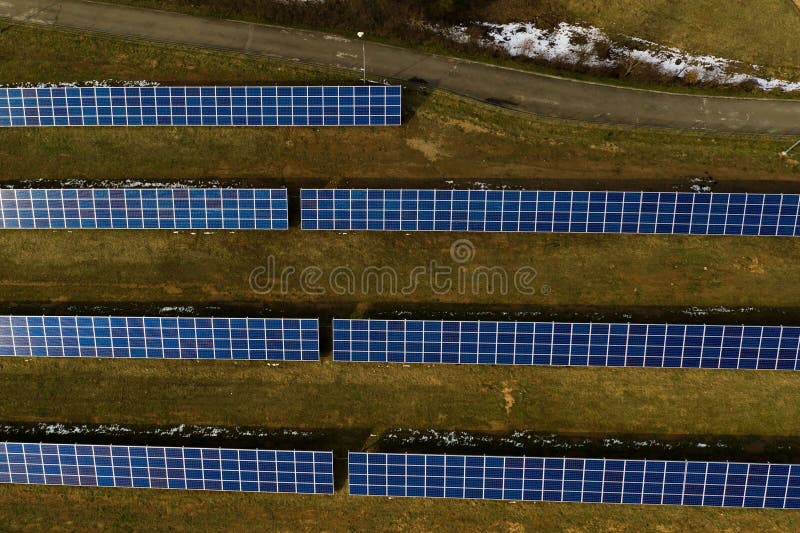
(92, 83)
(184, 310)
(80, 183)
(182, 431)
(703, 311)
(588, 45)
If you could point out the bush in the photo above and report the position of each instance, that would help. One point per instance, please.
(691, 76)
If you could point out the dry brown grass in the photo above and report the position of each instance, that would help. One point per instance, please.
(375, 397)
(86, 509)
(617, 271)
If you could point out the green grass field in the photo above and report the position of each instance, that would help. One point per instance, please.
(445, 137)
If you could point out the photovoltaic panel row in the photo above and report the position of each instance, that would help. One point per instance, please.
(155, 467)
(551, 211)
(567, 344)
(374, 105)
(263, 209)
(717, 484)
(264, 339)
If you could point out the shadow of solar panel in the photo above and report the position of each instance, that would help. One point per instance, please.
(155, 467)
(567, 344)
(234, 209)
(550, 211)
(627, 481)
(363, 105)
(257, 339)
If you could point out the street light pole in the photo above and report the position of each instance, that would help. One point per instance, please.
(792, 147)
(363, 54)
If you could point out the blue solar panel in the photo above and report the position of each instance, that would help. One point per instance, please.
(567, 344)
(551, 211)
(155, 467)
(373, 105)
(265, 339)
(717, 484)
(262, 209)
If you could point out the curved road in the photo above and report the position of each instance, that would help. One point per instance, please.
(525, 91)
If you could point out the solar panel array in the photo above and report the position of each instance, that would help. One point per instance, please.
(361, 105)
(551, 211)
(265, 339)
(155, 467)
(717, 484)
(567, 344)
(263, 209)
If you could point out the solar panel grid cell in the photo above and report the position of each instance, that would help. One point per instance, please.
(576, 480)
(567, 344)
(262, 209)
(376, 105)
(271, 339)
(217, 469)
(550, 211)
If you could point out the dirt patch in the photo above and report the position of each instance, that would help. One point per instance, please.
(361, 309)
(173, 290)
(496, 425)
(607, 147)
(430, 150)
(515, 527)
(755, 267)
(508, 397)
(752, 265)
(470, 127)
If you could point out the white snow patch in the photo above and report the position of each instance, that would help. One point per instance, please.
(184, 310)
(336, 38)
(181, 430)
(78, 183)
(90, 83)
(569, 43)
(701, 184)
(486, 186)
(703, 311)
(577, 44)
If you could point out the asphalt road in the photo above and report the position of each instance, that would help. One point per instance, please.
(525, 91)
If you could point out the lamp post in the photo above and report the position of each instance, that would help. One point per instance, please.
(363, 54)
(792, 147)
